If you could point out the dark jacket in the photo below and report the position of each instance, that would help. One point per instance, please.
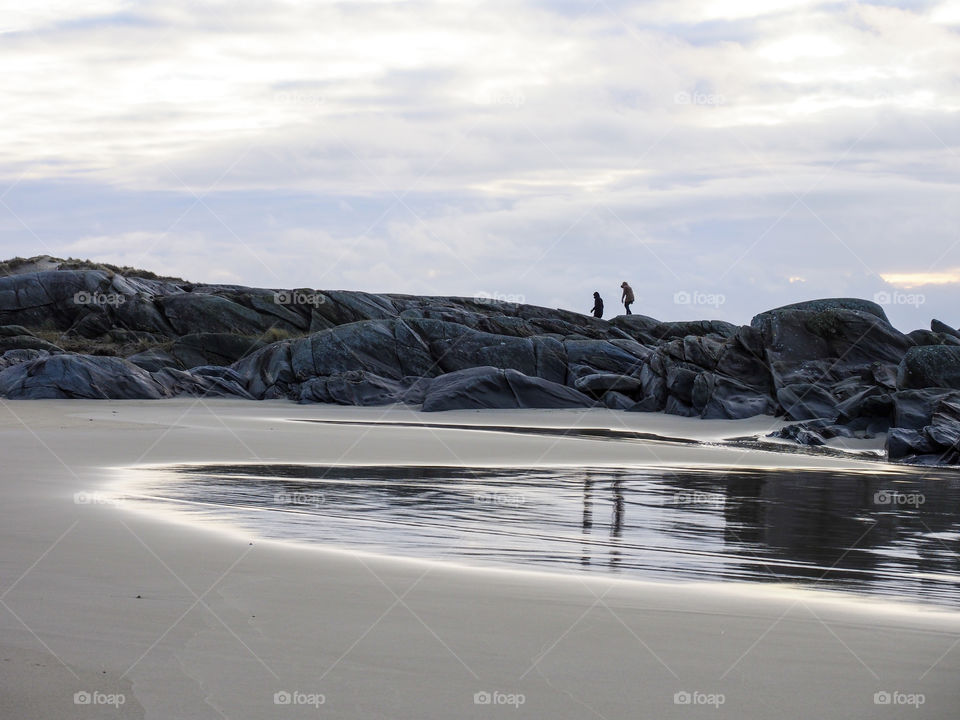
(597, 305)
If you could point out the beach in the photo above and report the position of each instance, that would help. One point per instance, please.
(153, 615)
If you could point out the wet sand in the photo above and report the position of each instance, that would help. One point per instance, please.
(183, 620)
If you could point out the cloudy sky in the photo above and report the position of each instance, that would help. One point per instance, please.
(722, 156)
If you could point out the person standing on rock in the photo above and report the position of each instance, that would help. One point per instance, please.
(597, 305)
(627, 297)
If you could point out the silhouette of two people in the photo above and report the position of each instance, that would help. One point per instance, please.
(626, 298)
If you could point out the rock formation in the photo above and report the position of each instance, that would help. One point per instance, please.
(73, 329)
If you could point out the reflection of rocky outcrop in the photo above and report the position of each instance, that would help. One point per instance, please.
(808, 517)
(836, 365)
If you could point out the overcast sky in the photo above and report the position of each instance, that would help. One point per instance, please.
(724, 157)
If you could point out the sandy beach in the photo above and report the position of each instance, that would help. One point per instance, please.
(148, 616)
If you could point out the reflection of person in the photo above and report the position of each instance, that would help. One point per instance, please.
(597, 305)
(627, 297)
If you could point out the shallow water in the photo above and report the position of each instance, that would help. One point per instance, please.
(884, 532)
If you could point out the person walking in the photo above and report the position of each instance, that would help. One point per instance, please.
(627, 297)
(597, 305)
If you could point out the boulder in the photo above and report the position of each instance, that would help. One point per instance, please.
(717, 396)
(913, 409)
(944, 427)
(617, 401)
(825, 305)
(491, 387)
(941, 328)
(15, 357)
(902, 443)
(930, 366)
(872, 402)
(925, 337)
(653, 389)
(79, 376)
(828, 331)
(268, 373)
(806, 401)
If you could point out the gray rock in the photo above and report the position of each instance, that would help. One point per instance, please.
(26, 342)
(204, 381)
(717, 396)
(653, 390)
(884, 374)
(902, 443)
(806, 401)
(823, 305)
(153, 360)
(268, 373)
(354, 388)
(872, 402)
(491, 387)
(913, 409)
(15, 357)
(680, 382)
(941, 328)
(213, 348)
(597, 384)
(925, 337)
(204, 313)
(649, 331)
(944, 428)
(930, 366)
(386, 348)
(13, 331)
(617, 401)
(79, 376)
(842, 336)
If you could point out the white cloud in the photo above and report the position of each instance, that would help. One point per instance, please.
(721, 147)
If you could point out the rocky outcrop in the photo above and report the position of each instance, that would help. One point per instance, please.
(834, 366)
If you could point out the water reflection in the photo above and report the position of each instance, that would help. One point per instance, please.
(886, 532)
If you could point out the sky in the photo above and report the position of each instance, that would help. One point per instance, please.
(724, 157)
